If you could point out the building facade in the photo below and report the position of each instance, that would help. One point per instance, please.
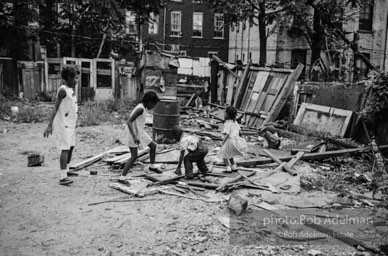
(189, 28)
(286, 48)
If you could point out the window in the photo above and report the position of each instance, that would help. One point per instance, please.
(176, 23)
(182, 53)
(366, 18)
(362, 69)
(130, 20)
(299, 56)
(218, 25)
(153, 25)
(197, 24)
(211, 54)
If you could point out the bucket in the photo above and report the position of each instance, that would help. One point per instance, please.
(166, 116)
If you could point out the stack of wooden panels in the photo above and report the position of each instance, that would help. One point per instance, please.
(263, 92)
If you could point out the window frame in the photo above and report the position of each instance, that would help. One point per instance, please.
(221, 24)
(154, 24)
(198, 14)
(176, 32)
(365, 20)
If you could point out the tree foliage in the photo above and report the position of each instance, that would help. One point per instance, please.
(318, 21)
(78, 25)
(18, 28)
(377, 94)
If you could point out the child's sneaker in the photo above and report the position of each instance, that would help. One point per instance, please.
(65, 181)
(122, 180)
(155, 168)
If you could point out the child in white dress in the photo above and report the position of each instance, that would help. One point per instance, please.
(137, 136)
(63, 121)
(232, 144)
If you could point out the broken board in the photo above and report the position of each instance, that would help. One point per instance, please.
(323, 119)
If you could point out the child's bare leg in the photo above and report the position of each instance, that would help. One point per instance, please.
(129, 163)
(233, 164)
(63, 159)
(153, 167)
(70, 154)
(63, 180)
(152, 147)
(227, 164)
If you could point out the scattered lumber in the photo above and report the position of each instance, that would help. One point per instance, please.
(230, 182)
(165, 182)
(285, 166)
(202, 184)
(128, 199)
(122, 161)
(237, 204)
(310, 156)
(96, 158)
(345, 143)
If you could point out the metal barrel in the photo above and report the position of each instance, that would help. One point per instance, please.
(166, 116)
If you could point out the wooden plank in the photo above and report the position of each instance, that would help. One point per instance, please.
(261, 99)
(139, 154)
(116, 158)
(242, 87)
(252, 80)
(225, 66)
(295, 159)
(91, 160)
(256, 91)
(284, 94)
(323, 119)
(285, 167)
(308, 156)
(273, 93)
(231, 82)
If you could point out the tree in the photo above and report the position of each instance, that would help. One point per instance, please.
(18, 28)
(94, 28)
(319, 21)
(257, 12)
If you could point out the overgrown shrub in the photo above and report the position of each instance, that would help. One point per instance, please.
(377, 94)
(101, 111)
(27, 112)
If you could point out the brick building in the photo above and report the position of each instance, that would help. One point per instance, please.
(188, 27)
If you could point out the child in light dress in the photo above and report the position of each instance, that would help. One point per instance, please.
(137, 137)
(232, 144)
(63, 121)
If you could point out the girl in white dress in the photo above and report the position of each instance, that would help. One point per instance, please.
(63, 121)
(137, 136)
(232, 144)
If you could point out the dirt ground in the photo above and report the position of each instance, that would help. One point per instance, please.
(40, 217)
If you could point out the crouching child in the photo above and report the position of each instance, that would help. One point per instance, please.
(193, 150)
